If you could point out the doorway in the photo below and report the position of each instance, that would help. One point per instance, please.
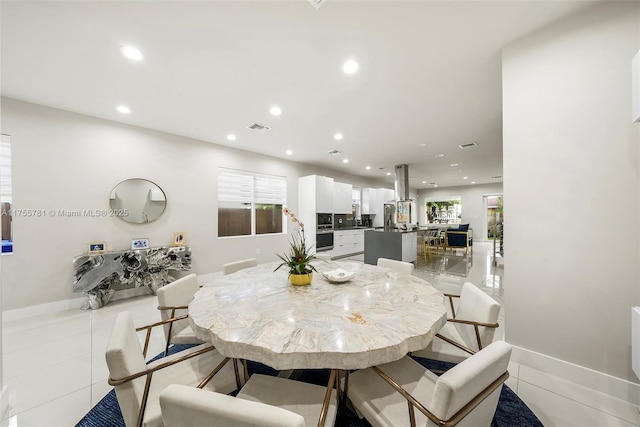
(494, 208)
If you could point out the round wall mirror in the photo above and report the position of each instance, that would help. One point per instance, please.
(137, 200)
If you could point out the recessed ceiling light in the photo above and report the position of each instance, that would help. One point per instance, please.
(388, 173)
(453, 165)
(439, 155)
(350, 67)
(132, 53)
(368, 168)
(275, 110)
(123, 109)
(421, 145)
(465, 177)
(231, 137)
(473, 182)
(338, 136)
(424, 182)
(289, 152)
(435, 185)
(345, 160)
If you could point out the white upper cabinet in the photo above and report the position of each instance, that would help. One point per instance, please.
(342, 198)
(369, 200)
(324, 194)
(315, 194)
(386, 194)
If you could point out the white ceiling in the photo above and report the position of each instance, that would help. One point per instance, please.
(430, 74)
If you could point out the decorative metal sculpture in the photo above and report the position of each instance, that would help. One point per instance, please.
(95, 275)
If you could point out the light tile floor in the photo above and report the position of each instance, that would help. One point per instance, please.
(54, 366)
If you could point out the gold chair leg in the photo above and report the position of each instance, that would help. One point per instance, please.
(327, 397)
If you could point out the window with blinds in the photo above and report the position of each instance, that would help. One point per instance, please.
(249, 204)
(5, 193)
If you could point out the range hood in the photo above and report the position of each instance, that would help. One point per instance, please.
(402, 183)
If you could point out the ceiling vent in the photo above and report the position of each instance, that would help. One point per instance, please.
(317, 3)
(497, 177)
(469, 145)
(334, 152)
(258, 127)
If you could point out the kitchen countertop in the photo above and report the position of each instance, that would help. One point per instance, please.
(352, 228)
(395, 230)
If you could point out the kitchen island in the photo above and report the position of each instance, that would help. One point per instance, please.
(392, 244)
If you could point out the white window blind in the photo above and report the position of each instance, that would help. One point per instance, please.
(238, 186)
(5, 169)
(270, 190)
(234, 186)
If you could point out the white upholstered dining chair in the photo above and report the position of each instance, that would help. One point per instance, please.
(471, 327)
(264, 401)
(396, 393)
(399, 266)
(232, 267)
(189, 406)
(138, 385)
(173, 301)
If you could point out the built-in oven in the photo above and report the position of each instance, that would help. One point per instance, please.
(324, 240)
(325, 220)
(324, 232)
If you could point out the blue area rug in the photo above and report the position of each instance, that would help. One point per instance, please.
(511, 412)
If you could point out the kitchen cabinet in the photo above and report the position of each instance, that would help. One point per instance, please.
(347, 242)
(369, 199)
(373, 200)
(315, 195)
(342, 198)
(316, 192)
(409, 247)
(324, 194)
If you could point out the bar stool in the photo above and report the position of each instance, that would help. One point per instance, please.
(431, 244)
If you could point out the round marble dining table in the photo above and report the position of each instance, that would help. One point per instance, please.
(376, 317)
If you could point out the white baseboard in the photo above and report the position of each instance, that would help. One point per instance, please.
(594, 380)
(40, 309)
(130, 293)
(77, 303)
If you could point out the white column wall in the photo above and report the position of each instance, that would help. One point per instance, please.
(63, 160)
(571, 189)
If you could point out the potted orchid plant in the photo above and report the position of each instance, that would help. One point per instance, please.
(298, 259)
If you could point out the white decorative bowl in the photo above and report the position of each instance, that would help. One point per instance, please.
(338, 276)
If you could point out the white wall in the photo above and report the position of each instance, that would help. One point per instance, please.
(473, 208)
(63, 160)
(571, 189)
